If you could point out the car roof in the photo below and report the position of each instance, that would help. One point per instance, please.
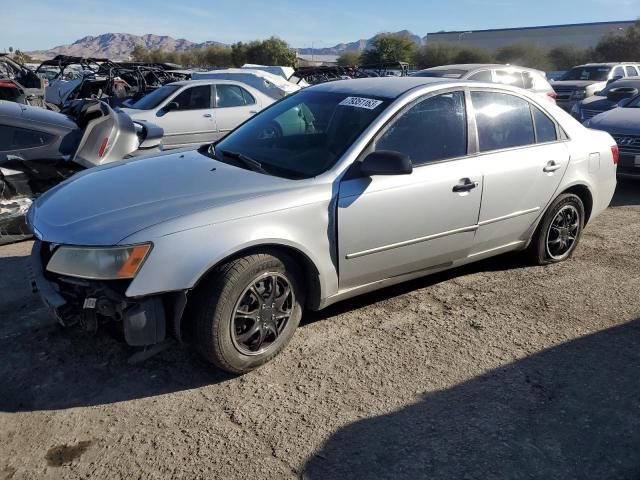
(605, 64)
(32, 114)
(387, 87)
(478, 66)
(207, 81)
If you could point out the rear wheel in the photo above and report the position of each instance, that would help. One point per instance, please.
(559, 232)
(248, 311)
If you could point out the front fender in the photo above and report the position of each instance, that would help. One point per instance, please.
(179, 260)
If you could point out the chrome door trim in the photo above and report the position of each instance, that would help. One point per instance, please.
(471, 228)
(507, 217)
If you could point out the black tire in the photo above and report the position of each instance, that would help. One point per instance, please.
(555, 245)
(216, 303)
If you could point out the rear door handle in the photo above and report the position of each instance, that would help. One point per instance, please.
(465, 185)
(207, 115)
(551, 167)
(253, 112)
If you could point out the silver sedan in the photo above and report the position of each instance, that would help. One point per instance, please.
(337, 190)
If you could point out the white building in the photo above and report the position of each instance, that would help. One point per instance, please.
(582, 35)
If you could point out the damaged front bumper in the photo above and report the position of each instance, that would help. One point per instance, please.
(91, 303)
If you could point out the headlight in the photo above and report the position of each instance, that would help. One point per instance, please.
(579, 94)
(99, 263)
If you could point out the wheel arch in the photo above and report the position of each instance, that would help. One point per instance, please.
(311, 274)
(584, 193)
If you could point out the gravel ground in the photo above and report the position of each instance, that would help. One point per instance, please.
(497, 370)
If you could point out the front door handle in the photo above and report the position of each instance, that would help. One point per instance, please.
(465, 185)
(253, 112)
(551, 167)
(207, 115)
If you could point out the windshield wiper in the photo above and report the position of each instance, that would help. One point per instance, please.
(247, 161)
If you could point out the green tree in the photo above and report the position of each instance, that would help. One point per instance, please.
(624, 47)
(564, 57)
(472, 55)
(139, 54)
(525, 55)
(390, 47)
(273, 51)
(348, 59)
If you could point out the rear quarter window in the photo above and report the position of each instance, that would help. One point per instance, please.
(15, 138)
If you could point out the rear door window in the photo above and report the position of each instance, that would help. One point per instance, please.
(482, 76)
(510, 77)
(229, 96)
(545, 127)
(631, 71)
(503, 121)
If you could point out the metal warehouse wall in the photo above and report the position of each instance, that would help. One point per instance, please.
(582, 35)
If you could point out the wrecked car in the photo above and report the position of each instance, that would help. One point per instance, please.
(115, 83)
(225, 246)
(41, 148)
(20, 84)
(194, 112)
(272, 85)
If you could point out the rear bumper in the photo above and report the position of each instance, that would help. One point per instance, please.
(92, 303)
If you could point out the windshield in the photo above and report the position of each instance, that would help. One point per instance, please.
(595, 74)
(448, 73)
(155, 98)
(303, 135)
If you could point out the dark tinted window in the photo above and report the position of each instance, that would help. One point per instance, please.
(503, 120)
(618, 72)
(229, 96)
(248, 98)
(482, 76)
(13, 138)
(194, 98)
(513, 78)
(434, 129)
(545, 128)
(631, 71)
(596, 73)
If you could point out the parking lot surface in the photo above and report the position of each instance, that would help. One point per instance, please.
(496, 370)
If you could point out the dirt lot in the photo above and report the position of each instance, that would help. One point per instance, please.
(494, 371)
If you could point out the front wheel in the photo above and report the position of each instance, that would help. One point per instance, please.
(248, 311)
(559, 232)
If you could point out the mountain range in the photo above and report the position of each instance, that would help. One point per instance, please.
(118, 46)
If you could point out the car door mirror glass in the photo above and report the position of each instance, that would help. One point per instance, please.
(386, 162)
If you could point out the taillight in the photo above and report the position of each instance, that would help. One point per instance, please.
(7, 83)
(616, 154)
(103, 146)
(552, 94)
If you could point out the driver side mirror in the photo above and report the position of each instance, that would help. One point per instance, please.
(386, 162)
(169, 107)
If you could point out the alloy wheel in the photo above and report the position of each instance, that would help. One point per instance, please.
(563, 232)
(262, 313)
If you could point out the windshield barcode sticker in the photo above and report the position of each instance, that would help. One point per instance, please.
(368, 103)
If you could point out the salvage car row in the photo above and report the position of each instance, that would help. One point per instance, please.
(296, 199)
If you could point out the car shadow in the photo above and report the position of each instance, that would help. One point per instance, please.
(627, 193)
(572, 411)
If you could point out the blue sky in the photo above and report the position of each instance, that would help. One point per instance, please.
(40, 24)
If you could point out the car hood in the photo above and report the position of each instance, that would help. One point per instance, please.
(597, 103)
(618, 120)
(105, 205)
